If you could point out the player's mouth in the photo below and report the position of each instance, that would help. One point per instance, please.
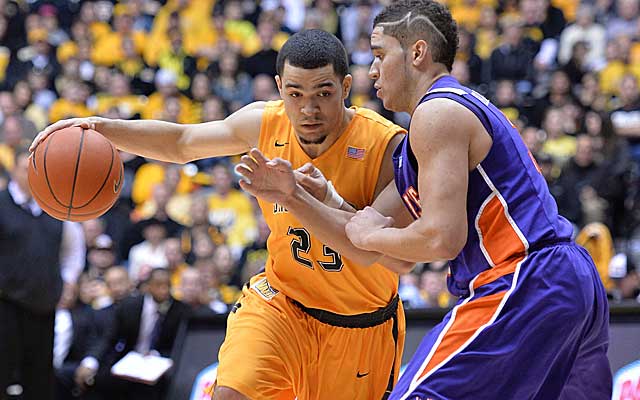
(378, 90)
(311, 125)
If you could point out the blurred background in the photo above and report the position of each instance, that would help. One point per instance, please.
(565, 72)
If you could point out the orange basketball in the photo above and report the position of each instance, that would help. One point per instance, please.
(75, 174)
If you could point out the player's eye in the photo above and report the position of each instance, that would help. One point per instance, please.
(324, 94)
(294, 95)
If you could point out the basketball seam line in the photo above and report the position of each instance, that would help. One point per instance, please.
(46, 173)
(106, 178)
(75, 175)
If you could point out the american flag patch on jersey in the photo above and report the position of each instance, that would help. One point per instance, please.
(355, 153)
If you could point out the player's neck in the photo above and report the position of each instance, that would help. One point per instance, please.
(315, 150)
(423, 84)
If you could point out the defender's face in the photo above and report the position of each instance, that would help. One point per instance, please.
(388, 70)
(313, 101)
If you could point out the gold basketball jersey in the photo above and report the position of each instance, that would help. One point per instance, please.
(299, 265)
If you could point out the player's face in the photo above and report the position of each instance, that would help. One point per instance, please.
(388, 69)
(313, 101)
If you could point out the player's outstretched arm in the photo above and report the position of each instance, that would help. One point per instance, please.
(177, 143)
(442, 153)
(274, 181)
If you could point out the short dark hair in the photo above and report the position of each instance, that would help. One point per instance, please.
(411, 20)
(314, 48)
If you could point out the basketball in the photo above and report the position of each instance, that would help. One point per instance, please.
(75, 174)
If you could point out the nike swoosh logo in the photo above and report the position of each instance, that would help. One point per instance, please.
(359, 375)
(280, 144)
(116, 184)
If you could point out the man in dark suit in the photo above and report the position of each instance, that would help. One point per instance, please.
(36, 253)
(145, 324)
(75, 336)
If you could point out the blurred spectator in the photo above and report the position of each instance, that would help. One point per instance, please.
(533, 138)
(76, 334)
(263, 60)
(232, 85)
(264, 88)
(16, 132)
(625, 277)
(193, 292)
(39, 82)
(327, 13)
(581, 174)
(100, 256)
(361, 86)
(513, 59)
(410, 293)
(433, 288)
(141, 323)
(34, 249)
(558, 144)
(626, 119)
(626, 20)
(93, 292)
(175, 59)
(230, 210)
(108, 49)
(176, 264)
(199, 226)
(166, 83)
(558, 95)
(362, 54)
(72, 103)
(49, 14)
(38, 56)
(254, 255)
(585, 30)
(596, 239)
(486, 34)
(357, 18)
(118, 283)
(576, 67)
(211, 295)
(121, 97)
(150, 254)
(506, 99)
(213, 109)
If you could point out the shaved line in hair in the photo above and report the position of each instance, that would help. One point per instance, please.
(410, 20)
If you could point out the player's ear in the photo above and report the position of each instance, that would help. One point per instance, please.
(279, 85)
(346, 86)
(419, 52)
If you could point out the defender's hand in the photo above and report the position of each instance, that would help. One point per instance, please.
(363, 224)
(270, 180)
(87, 123)
(312, 180)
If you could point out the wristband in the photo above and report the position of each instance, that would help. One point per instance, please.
(332, 198)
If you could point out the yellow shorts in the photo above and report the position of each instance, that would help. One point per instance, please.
(274, 350)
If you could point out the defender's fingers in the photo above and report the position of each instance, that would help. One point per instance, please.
(249, 162)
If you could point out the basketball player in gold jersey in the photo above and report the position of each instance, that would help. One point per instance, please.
(324, 320)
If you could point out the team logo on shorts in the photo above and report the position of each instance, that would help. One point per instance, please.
(265, 290)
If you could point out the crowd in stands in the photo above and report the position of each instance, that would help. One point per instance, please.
(565, 72)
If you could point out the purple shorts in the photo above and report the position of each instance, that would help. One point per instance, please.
(539, 333)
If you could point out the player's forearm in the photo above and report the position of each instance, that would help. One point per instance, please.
(328, 225)
(159, 140)
(415, 243)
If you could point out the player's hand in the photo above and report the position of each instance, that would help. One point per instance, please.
(363, 224)
(270, 180)
(312, 180)
(87, 123)
(84, 377)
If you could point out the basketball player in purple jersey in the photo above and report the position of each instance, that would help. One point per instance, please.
(532, 319)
